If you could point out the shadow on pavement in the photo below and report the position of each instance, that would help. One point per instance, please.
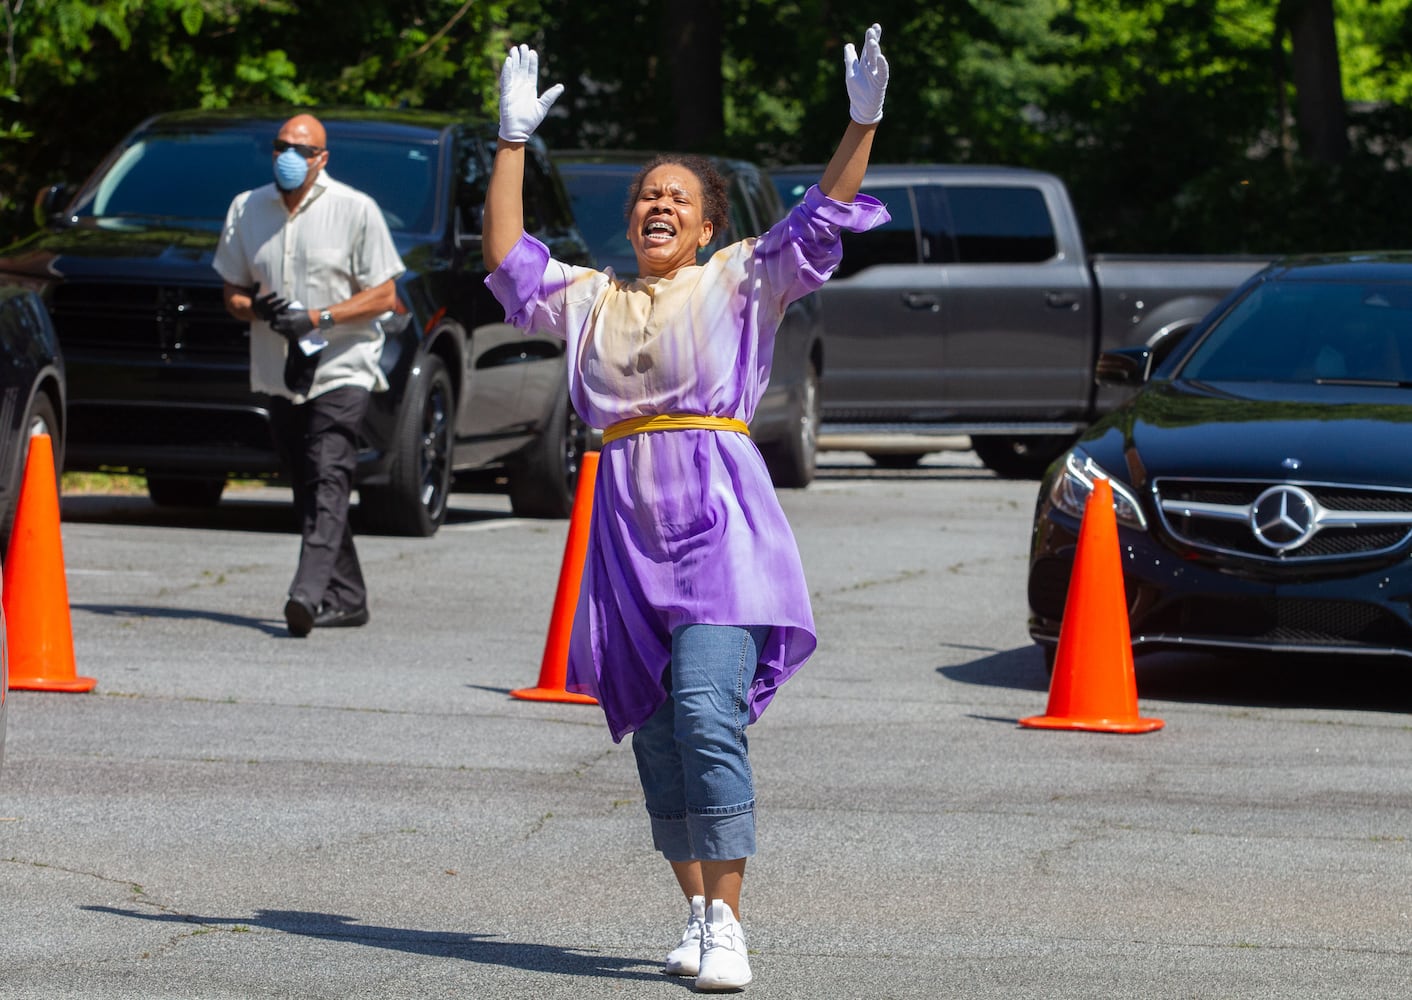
(482, 948)
(270, 626)
(1252, 680)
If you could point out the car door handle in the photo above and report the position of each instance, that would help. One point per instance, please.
(921, 300)
(1061, 300)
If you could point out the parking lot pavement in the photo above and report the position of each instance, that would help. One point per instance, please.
(233, 813)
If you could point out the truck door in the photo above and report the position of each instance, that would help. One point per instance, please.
(882, 324)
(1019, 334)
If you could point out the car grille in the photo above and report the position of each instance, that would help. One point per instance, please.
(1285, 521)
(137, 318)
(1278, 622)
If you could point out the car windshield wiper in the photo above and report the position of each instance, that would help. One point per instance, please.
(1384, 383)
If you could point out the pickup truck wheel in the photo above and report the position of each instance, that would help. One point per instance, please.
(1020, 457)
(543, 479)
(413, 502)
(176, 491)
(896, 459)
(791, 461)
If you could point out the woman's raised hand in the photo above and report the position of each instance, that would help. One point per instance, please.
(522, 107)
(866, 77)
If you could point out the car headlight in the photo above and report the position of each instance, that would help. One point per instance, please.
(1072, 486)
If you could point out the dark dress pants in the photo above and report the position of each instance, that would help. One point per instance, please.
(319, 442)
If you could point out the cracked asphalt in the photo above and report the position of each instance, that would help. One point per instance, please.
(234, 813)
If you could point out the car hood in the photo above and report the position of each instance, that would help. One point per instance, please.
(127, 249)
(1259, 431)
(138, 250)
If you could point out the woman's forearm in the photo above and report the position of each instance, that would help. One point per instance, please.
(504, 220)
(844, 174)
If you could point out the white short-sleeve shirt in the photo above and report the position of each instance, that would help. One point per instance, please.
(334, 244)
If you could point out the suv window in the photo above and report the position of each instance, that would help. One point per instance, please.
(893, 242)
(1000, 225)
(545, 210)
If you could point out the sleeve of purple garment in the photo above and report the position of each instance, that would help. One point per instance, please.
(801, 250)
(533, 288)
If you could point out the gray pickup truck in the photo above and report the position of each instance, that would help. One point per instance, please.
(976, 311)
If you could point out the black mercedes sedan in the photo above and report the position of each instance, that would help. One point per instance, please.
(1262, 473)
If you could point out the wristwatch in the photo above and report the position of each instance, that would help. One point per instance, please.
(325, 320)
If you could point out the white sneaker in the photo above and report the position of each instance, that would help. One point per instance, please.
(685, 958)
(724, 965)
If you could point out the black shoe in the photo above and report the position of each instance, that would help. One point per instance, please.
(299, 617)
(330, 617)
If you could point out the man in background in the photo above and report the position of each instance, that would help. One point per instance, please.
(308, 261)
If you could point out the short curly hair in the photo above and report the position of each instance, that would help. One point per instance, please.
(715, 206)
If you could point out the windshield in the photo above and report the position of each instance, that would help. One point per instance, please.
(192, 176)
(1300, 331)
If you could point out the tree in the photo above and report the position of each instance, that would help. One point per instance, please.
(1323, 121)
(1165, 116)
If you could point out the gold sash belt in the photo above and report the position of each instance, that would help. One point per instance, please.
(673, 422)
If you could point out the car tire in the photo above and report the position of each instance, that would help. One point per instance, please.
(792, 460)
(413, 501)
(176, 491)
(1020, 457)
(544, 477)
(896, 459)
(41, 419)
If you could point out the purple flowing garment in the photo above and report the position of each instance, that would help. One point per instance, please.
(686, 527)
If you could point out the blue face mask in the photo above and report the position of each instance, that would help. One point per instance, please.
(290, 170)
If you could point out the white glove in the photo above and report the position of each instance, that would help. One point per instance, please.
(522, 107)
(866, 78)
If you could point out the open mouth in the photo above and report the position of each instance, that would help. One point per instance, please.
(658, 231)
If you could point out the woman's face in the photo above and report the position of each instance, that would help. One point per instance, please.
(665, 226)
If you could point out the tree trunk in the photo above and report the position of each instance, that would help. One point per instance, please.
(692, 43)
(1323, 120)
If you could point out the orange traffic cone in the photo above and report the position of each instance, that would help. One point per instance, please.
(1094, 686)
(554, 666)
(36, 596)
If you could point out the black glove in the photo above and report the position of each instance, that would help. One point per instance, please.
(267, 306)
(292, 323)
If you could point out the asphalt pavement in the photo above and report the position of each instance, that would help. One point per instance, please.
(234, 813)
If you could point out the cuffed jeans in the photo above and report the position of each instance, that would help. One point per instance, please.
(319, 441)
(692, 754)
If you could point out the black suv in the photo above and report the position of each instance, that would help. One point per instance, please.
(159, 372)
(786, 423)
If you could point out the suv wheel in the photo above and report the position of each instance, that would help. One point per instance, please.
(792, 460)
(413, 502)
(543, 479)
(176, 491)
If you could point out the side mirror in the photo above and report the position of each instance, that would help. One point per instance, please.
(1127, 366)
(49, 203)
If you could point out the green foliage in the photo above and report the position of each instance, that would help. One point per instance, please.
(1168, 118)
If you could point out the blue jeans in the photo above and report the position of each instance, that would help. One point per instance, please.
(692, 754)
